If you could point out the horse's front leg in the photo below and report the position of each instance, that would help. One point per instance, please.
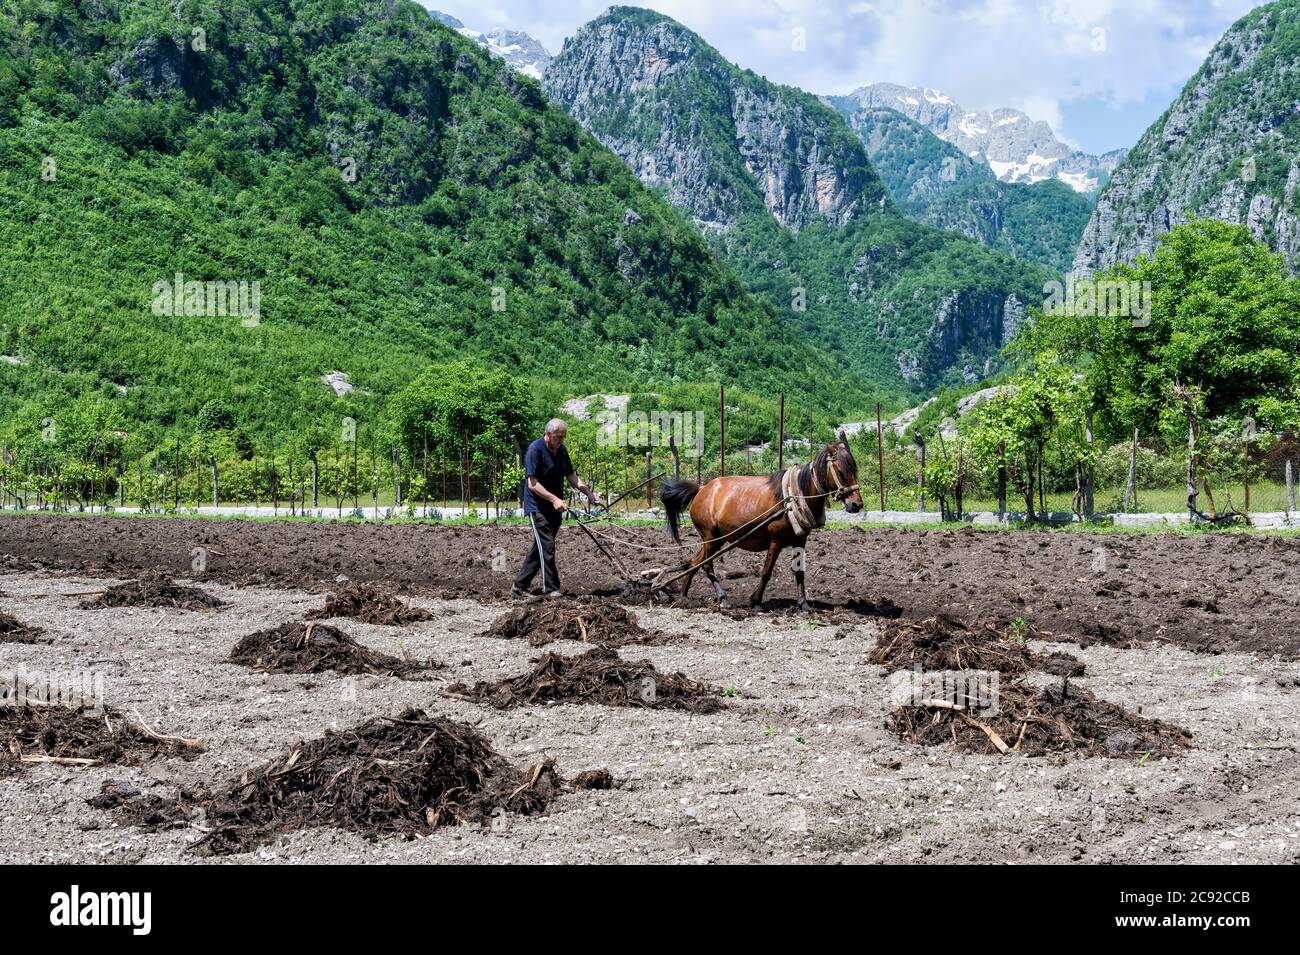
(798, 563)
(773, 550)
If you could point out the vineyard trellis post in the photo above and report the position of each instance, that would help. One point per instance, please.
(749, 447)
(1088, 502)
(1130, 486)
(920, 473)
(880, 456)
(374, 470)
(1290, 489)
(1002, 480)
(722, 430)
(780, 436)
(1245, 466)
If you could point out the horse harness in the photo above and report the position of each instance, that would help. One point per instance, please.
(799, 511)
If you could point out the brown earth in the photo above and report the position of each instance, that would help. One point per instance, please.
(596, 622)
(1036, 722)
(403, 775)
(598, 676)
(316, 647)
(1211, 593)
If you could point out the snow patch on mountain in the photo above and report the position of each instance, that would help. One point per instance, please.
(1016, 147)
(521, 52)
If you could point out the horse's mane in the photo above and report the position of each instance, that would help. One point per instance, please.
(805, 478)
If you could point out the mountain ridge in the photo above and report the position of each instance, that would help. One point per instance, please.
(523, 53)
(787, 195)
(1227, 148)
(934, 182)
(1016, 147)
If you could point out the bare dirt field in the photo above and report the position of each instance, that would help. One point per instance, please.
(795, 763)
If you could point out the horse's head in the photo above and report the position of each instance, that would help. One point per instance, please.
(842, 474)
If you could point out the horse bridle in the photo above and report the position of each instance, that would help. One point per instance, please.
(841, 490)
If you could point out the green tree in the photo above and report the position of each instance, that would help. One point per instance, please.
(1223, 320)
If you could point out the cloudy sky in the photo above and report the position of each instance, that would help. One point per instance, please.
(1100, 71)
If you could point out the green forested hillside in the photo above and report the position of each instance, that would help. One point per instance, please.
(399, 197)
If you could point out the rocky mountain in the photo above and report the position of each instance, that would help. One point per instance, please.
(748, 145)
(934, 182)
(304, 214)
(789, 198)
(1014, 146)
(1228, 148)
(523, 54)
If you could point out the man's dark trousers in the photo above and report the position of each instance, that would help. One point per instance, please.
(541, 555)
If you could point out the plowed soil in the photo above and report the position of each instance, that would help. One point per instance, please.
(1211, 593)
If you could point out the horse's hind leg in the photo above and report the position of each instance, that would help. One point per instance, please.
(694, 565)
(723, 602)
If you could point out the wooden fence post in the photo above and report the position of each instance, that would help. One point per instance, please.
(780, 437)
(1088, 507)
(1002, 480)
(1130, 486)
(880, 456)
(722, 430)
(920, 474)
(1290, 489)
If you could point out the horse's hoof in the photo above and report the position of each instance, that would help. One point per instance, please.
(756, 602)
(805, 606)
(724, 604)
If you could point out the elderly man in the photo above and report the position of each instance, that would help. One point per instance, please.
(547, 467)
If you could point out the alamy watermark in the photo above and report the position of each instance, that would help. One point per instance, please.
(82, 689)
(1100, 298)
(975, 691)
(211, 299)
(621, 428)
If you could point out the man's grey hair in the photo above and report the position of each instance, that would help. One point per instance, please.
(556, 424)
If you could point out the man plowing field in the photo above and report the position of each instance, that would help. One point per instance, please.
(547, 467)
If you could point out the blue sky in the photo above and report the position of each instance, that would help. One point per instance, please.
(1100, 71)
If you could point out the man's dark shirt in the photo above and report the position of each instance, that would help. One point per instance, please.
(550, 468)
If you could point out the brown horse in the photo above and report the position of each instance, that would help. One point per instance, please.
(724, 507)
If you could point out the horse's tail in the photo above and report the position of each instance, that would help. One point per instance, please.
(676, 496)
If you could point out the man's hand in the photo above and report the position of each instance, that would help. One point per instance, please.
(594, 498)
(560, 506)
